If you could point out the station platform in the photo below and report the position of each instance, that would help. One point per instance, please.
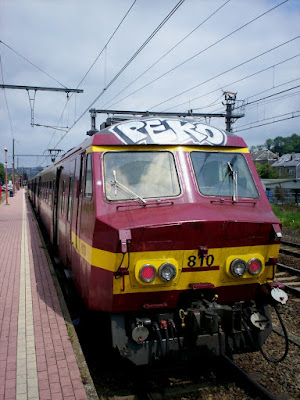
(37, 360)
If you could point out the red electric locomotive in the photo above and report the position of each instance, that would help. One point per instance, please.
(166, 227)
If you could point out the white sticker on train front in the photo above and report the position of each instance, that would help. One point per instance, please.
(168, 131)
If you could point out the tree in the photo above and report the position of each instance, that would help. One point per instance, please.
(266, 171)
(2, 173)
(281, 145)
(269, 144)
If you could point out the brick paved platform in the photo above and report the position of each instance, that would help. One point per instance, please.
(37, 360)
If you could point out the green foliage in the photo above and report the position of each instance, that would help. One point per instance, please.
(281, 145)
(284, 145)
(2, 173)
(289, 215)
(266, 171)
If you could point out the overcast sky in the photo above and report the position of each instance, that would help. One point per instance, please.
(64, 37)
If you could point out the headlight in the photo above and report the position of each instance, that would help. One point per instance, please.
(254, 266)
(147, 273)
(238, 267)
(167, 272)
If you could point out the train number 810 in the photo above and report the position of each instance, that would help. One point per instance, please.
(204, 261)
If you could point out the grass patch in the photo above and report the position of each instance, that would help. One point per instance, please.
(289, 215)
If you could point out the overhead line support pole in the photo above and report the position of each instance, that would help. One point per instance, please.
(13, 167)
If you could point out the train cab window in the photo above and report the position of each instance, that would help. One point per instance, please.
(220, 174)
(139, 175)
(88, 188)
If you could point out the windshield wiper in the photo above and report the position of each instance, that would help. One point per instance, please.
(125, 189)
(234, 179)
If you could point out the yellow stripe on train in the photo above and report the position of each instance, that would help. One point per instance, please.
(188, 148)
(190, 267)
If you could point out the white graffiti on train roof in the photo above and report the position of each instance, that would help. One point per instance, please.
(168, 131)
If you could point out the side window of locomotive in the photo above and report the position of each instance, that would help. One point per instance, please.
(70, 195)
(215, 174)
(88, 187)
(140, 174)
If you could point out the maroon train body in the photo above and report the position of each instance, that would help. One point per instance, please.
(166, 228)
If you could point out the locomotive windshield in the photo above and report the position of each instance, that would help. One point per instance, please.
(139, 175)
(223, 174)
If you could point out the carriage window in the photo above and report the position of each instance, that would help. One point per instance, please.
(47, 192)
(216, 174)
(50, 193)
(88, 188)
(62, 206)
(70, 198)
(140, 175)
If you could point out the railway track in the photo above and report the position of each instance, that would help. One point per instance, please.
(290, 277)
(290, 249)
(227, 373)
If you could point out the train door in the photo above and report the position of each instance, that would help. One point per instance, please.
(56, 185)
(39, 194)
(70, 204)
(34, 193)
(79, 202)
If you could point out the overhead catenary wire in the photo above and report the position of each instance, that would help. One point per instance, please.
(238, 80)
(264, 119)
(90, 68)
(165, 54)
(271, 122)
(107, 43)
(197, 54)
(6, 102)
(253, 95)
(271, 100)
(126, 65)
(225, 72)
(268, 100)
(34, 65)
(267, 97)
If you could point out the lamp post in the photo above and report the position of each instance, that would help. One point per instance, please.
(6, 190)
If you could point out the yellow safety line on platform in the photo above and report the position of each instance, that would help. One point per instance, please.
(27, 378)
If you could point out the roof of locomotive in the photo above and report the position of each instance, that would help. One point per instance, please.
(165, 131)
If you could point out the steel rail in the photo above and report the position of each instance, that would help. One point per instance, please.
(290, 289)
(288, 269)
(253, 386)
(290, 244)
(290, 253)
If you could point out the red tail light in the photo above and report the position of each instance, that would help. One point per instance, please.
(254, 266)
(147, 273)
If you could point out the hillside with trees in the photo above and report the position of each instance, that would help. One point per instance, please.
(281, 145)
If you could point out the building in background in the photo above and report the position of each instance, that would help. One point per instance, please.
(263, 157)
(288, 166)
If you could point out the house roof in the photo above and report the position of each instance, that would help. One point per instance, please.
(288, 160)
(261, 155)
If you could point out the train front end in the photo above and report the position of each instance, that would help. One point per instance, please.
(188, 242)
